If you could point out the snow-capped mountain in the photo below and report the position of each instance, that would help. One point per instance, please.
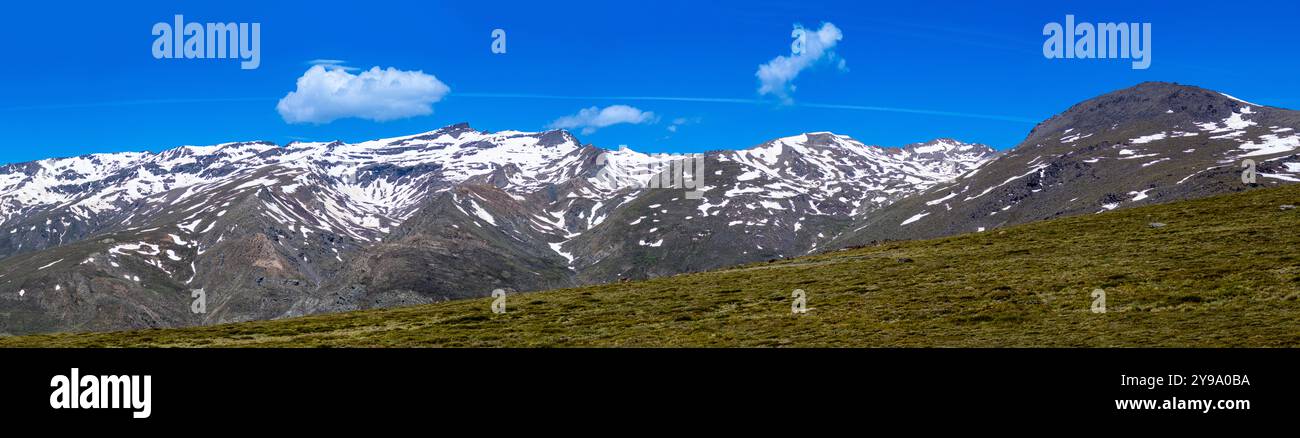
(109, 241)
(1155, 142)
(779, 199)
(375, 184)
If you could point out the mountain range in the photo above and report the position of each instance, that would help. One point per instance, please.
(1152, 143)
(261, 231)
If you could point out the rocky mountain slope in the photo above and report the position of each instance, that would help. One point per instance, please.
(111, 241)
(114, 241)
(778, 199)
(1152, 143)
(1186, 284)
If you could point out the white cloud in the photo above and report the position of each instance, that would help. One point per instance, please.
(591, 119)
(776, 77)
(326, 94)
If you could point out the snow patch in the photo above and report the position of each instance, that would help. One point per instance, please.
(915, 218)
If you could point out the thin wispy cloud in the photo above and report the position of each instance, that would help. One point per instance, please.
(681, 121)
(137, 102)
(324, 95)
(594, 118)
(918, 111)
(726, 100)
(332, 63)
(644, 98)
(741, 101)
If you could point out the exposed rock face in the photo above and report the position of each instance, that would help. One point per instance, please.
(1155, 142)
(115, 241)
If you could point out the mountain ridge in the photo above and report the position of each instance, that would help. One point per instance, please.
(1024, 286)
(265, 231)
(327, 226)
(1153, 142)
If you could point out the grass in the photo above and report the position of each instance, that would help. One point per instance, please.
(1223, 272)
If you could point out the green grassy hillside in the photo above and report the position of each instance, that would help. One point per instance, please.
(1223, 271)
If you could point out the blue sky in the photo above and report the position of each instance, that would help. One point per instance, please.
(81, 78)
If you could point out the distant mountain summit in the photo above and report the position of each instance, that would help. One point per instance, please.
(1154, 142)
